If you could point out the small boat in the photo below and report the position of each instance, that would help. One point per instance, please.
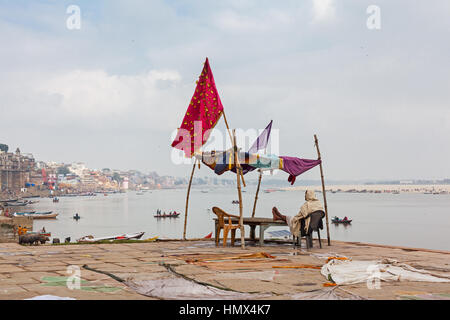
(39, 215)
(43, 233)
(170, 215)
(32, 213)
(337, 220)
(16, 204)
(131, 236)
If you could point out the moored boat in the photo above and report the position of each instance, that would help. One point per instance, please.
(132, 236)
(47, 234)
(32, 212)
(16, 204)
(38, 215)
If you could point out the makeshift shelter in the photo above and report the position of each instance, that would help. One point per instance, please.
(203, 113)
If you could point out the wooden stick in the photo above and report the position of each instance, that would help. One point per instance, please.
(238, 176)
(257, 191)
(187, 200)
(226, 124)
(231, 138)
(316, 142)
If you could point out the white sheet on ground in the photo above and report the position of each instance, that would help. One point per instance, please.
(344, 272)
(50, 297)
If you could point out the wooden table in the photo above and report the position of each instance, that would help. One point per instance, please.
(263, 224)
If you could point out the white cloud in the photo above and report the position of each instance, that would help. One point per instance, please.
(263, 21)
(95, 93)
(323, 10)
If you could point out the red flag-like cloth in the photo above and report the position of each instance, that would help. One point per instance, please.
(203, 113)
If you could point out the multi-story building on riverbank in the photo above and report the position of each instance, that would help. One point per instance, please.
(15, 170)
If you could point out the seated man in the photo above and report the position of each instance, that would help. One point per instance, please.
(311, 205)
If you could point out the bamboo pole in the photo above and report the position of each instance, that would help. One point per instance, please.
(257, 191)
(316, 142)
(238, 177)
(232, 142)
(187, 200)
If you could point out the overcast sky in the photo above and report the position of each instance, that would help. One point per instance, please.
(111, 93)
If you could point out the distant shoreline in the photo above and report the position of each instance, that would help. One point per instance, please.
(379, 188)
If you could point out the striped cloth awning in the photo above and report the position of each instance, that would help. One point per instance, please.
(222, 161)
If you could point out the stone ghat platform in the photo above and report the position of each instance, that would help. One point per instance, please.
(274, 271)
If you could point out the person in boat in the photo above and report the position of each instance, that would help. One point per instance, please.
(345, 219)
(311, 205)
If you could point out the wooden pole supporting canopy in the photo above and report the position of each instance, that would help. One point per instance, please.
(316, 142)
(233, 142)
(257, 191)
(187, 200)
(238, 177)
(239, 174)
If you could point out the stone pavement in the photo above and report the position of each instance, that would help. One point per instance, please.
(29, 271)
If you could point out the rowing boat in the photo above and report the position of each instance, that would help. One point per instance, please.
(38, 215)
(131, 236)
(172, 215)
(32, 212)
(337, 220)
(47, 234)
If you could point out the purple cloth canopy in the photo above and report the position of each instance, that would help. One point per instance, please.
(262, 140)
(296, 166)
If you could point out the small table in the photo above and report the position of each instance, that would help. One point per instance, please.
(263, 224)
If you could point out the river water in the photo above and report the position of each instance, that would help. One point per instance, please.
(406, 219)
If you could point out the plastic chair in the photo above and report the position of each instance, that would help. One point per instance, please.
(227, 227)
(315, 224)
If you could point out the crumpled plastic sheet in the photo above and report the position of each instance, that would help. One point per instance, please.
(50, 297)
(325, 294)
(344, 272)
(182, 289)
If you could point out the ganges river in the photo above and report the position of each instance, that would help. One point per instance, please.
(405, 219)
